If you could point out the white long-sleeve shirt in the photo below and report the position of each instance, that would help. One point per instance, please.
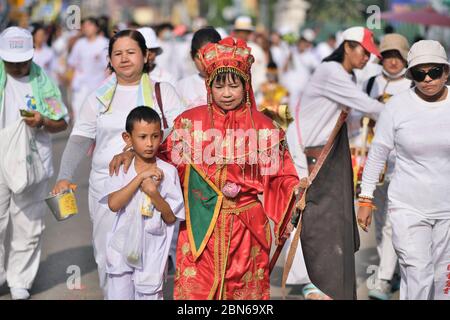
(330, 89)
(419, 132)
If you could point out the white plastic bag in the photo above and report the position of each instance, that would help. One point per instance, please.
(132, 250)
(21, 164)
(119, 238)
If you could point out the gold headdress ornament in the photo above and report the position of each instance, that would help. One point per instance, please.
(228, 55)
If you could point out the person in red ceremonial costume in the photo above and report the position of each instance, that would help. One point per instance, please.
(223, 247)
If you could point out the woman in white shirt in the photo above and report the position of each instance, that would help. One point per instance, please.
(329, 236)
(415, 125)
(87, 61)
(43, 55)
(101, 122)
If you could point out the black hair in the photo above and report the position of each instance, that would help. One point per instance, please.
(390, 53)
(165, 25)
(36, 27)
(389, 29)
(339, 54)
(53, 28)
(223, 76)
(272, 65)
(136, 36)
(103, 23)
(140, 113)
(91, 20)
(202, 37)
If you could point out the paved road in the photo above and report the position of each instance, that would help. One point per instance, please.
(67, 247)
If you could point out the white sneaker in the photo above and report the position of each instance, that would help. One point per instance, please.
(19, 294)
(382, 290)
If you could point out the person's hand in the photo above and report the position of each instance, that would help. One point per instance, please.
(155, 174)
(149, 186)
(364, 217)
(286, 234)
(36, 121)
(61, 186)
(124, 158)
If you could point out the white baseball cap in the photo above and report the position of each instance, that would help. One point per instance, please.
(309, 35)
(151, 40)
(425, 52)
(16, 45)
(363, 36)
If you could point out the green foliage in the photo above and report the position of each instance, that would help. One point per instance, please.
(341, 12)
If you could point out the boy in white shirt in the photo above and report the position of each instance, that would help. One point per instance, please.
(150, 188)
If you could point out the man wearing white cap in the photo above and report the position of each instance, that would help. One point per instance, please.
(157, 74)
(23, 85)
(415, 124)
(243, 30)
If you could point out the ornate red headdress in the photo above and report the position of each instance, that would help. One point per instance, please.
(228, 55)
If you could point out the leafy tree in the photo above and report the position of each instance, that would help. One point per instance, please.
(341, 12)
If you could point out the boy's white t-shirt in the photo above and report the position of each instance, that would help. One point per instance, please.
(419, 132)
(19, 95)
(157, 234)
(107, 127)
(192, 91)
(89, 59)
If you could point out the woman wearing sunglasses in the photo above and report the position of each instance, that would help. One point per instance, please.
(416, 124)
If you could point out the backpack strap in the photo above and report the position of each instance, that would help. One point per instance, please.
(160, 104)
(370, 84)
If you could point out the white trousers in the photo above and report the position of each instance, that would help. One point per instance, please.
(21, 217)
(121, 287)
(298, 273)
(102, 219)
(383, 228)
(386, 252)
(423, 249)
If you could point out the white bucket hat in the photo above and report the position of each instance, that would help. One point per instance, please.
(16, 45)
(151, 40)
(426, 52)
(243, 23)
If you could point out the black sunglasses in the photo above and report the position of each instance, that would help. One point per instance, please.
(433, 73)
